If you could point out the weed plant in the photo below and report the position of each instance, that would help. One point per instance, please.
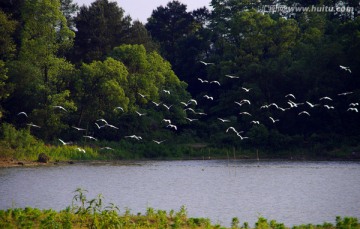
(22, 145)
(92, 213)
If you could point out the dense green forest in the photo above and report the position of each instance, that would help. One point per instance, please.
(234, 75)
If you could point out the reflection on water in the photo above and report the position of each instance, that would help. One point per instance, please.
(289, 192)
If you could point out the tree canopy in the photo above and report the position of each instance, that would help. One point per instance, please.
(234, 75)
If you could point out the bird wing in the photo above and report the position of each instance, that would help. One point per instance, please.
(22, 113)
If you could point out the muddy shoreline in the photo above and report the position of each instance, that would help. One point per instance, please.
(9, 162)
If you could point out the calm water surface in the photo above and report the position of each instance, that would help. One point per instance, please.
(290, 192)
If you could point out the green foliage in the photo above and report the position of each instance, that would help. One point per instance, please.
(139, 35)
(235, 222)
(183, 38)
(69, 9)
(38, 74)
(17, 138)
(107, 82)
(92, 213)
(4, 88)
(7, 51)
(168, 24)
(346, 222)
(117, 63)
(7, 44)
(23, 145)
(100, 27)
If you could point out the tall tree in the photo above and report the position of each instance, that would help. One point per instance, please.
(183, 37)
(12, 8)
(106, 81)
(138, 34)
(39, 75)
(149, 75)
(69, 10)
(7, 45)
(100, 27)
(168, 24)
(7, 51)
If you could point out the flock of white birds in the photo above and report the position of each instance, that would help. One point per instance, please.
(192, 103)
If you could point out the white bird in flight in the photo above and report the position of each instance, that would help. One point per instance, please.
(64, 143)
(33, 125)
(245, 113)
(216, 82)
(134, 137)
(191, 119)
(156, 104)
(329, 107)
(346, 93)
(233, 129)
(143, 96)
(274, 120)
(111, 126)
(185, 104)
(140, 114)
(352, 109)
(312, 105)
(304, 112)
(60, 107)
(158, 142)
(172, 126)
(200, 113)
(241, 137)
(167, 120)
(326, 98)
(293, 104)
(345, 68)
(107, 148)
(274, 104)
(192, 101)
(255, 122)
(205, 63)
(203, 81)
(223, 120)
(98, 126)
(22, 113)
(77, 128)
(283, 109)
(166, 91)
(166, 106)
(190, 109)
(102, 120)
(90, 137)
(208, 97)
(243, 102)
(290, 95)
(80, 149)
(119, 108)
(246, 89)
(232, 77)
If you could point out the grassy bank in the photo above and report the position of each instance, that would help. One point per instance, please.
(84, 213)
(35, 218)
(20, 145)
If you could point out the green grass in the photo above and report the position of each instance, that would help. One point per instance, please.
(85, 213)
(21, 145)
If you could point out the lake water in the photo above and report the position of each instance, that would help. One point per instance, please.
(288, 191)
